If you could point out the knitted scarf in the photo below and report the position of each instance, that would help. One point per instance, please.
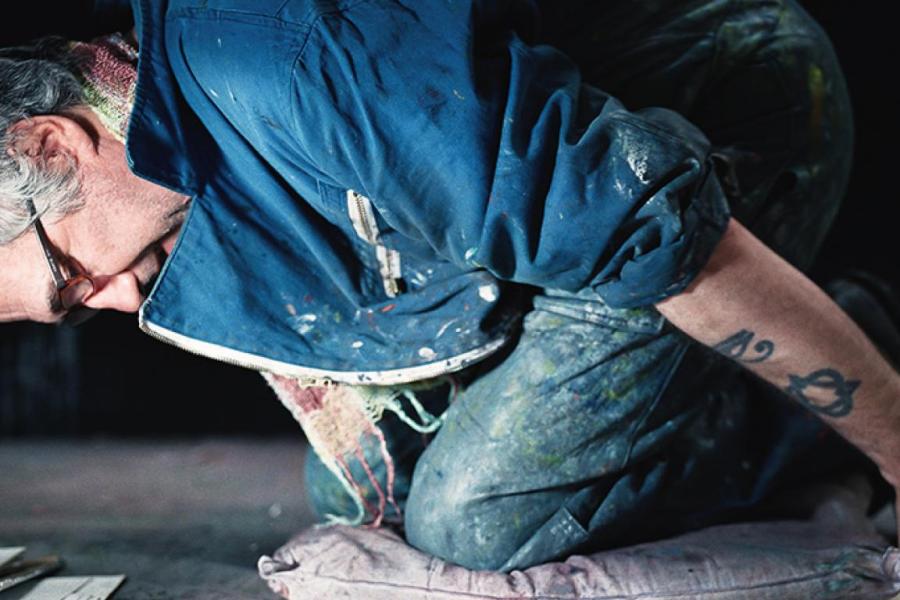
(107, 70)
(337, 419)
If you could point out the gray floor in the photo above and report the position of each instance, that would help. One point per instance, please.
(182, 519)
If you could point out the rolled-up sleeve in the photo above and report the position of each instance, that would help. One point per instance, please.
(495, 152)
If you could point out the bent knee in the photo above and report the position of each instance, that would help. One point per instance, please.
(446, 516)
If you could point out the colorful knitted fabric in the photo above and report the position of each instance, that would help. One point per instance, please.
(337, 418)
(107, 70)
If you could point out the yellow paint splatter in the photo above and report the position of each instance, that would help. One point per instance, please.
(817, 97)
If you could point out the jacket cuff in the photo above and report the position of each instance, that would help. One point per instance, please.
(704, 222)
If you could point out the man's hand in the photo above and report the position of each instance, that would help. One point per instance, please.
(752, 306)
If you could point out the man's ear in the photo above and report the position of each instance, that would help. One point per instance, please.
(51, 140)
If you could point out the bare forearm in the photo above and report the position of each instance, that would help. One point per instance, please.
(751, 305)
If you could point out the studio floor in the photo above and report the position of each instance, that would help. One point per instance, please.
(184, 519)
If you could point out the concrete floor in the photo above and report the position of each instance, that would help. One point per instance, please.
(182, 519)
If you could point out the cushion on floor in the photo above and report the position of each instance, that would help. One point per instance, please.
(834, 554)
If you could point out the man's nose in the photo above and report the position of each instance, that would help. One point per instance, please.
(120, 292)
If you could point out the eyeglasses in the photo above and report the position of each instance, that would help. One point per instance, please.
(73, 291)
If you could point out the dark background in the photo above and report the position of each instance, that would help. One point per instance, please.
(108, 378)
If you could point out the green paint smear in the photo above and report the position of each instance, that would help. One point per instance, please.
(816, 82)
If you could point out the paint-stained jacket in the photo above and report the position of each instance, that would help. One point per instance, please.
(371, 176)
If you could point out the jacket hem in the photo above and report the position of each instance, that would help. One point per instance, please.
(370, 377)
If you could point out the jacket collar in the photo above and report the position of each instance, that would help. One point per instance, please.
(161, 119)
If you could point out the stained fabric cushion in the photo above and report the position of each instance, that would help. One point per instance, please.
(835, 554)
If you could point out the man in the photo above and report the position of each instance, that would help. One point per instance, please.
(377, 189)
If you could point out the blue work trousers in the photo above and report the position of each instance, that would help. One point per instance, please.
(599, 426)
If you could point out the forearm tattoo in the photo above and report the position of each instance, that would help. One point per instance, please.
(825, 379)
(737, 345)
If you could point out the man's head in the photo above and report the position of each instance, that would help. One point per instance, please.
(100, 219)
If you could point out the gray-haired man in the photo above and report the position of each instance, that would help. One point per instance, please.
(367, 202)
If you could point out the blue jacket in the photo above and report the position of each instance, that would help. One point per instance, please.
(372, 178)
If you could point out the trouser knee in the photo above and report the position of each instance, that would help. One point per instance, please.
(446, 517)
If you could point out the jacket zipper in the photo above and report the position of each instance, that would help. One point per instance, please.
(362, 217)
(192, 346)
(363, 206)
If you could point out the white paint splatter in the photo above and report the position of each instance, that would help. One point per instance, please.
(357, 344)
(427, 353)
(488, 293)
(637, 156)
(638, 164)
(419, 278)
(470, 253)
(444, 327)
(304, 323)
(458, 95)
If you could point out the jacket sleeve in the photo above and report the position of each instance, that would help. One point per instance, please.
(497, 154)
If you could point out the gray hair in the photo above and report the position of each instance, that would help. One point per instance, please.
(34, 80)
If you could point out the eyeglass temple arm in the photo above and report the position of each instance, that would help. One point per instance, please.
(58, 277)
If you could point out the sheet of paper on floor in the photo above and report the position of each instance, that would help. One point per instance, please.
(8, 554)
(75, 588)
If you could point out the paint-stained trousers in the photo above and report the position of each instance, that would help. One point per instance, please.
(602, 426)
